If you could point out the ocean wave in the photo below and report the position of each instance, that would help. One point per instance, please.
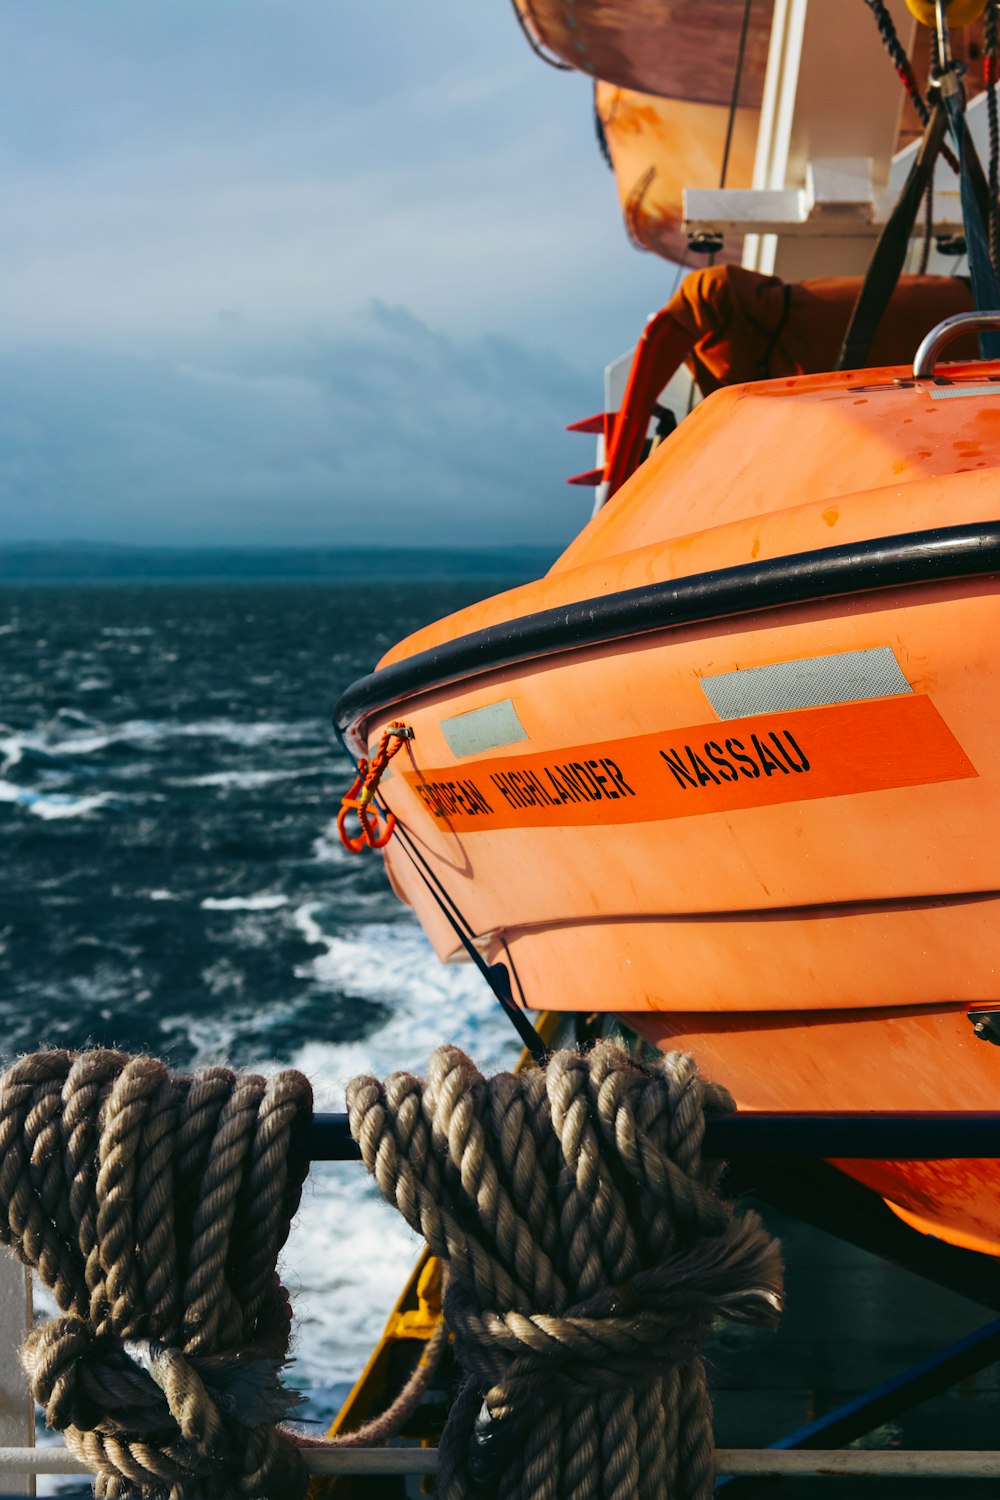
(429, 1002)
(11, 751)
(327, 847)
(265, 901)
(243, 780)
(52, 804)
(148, 734)
(349, 1253)
(345, 1263)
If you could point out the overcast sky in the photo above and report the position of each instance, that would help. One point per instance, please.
(268, 267)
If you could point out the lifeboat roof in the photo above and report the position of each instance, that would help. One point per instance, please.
(773, 468)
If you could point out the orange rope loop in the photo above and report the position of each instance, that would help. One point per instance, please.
(360, 799)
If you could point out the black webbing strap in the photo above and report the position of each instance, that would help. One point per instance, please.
(764, 368)
(887, 263)
(975, 219)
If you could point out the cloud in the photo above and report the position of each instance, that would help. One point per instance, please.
(266, 266)
(173, 164)
(383, 428)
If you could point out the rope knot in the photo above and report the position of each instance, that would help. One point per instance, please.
(589, 1254)
(154, 1207)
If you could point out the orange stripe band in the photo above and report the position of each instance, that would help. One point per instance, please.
(704, 768)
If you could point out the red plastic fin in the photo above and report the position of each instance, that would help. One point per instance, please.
(590, 424)
(591, 477)
(601, 421)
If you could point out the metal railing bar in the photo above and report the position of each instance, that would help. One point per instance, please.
(871, 1463)
(890, 1135)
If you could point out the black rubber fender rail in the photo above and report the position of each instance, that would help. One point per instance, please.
(939, 555)
(878, 1134)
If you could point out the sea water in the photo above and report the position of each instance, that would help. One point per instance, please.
(173, 881)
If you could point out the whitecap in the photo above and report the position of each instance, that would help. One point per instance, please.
(327, 847)
(429, 1002)
(51, 805)
(11, 750)
(266, 901)
(242, 780)
(349, 1254)
(150, 733)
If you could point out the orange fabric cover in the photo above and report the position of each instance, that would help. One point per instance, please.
(731, 326)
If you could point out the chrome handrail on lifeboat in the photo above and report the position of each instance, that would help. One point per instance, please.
(925, 361)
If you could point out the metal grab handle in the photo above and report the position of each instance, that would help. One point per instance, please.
(926, 357)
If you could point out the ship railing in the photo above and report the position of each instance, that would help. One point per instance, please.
(754, 1143)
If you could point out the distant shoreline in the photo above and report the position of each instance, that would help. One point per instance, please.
(74, 562)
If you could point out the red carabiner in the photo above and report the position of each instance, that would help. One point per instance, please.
(360, 799)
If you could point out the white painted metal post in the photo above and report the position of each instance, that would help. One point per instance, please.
(17, 1412)
(829, 92)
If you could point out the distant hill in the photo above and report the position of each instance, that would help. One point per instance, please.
(87, 562)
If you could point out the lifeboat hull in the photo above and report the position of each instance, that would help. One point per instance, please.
(678, 48)
(659, 147)
(740, 782)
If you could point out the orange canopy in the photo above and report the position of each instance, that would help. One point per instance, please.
(731, 326)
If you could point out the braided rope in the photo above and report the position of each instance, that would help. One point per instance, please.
(589, 1254)
(899, 57)
(154, 1208)
(991, 26)
(904, 69)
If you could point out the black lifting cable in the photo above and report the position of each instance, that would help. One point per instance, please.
(877, 1135)
(734, 97)
(708, 242)
(497, 976)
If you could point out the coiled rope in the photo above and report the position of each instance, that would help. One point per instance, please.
(154, 1207)
(588, 1253)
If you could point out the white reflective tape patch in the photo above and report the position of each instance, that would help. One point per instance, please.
(813, 682)
(949, 392)
(483, 729)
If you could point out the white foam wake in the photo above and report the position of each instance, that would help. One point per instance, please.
(349, 1253)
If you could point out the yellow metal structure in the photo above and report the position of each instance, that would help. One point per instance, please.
(960, 12)
(412, 1321)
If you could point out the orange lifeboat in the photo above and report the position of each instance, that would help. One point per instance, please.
(659, 147)
(674, 84)
(731, 768)
(665, 97)
(730, 325)
(681, 49)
